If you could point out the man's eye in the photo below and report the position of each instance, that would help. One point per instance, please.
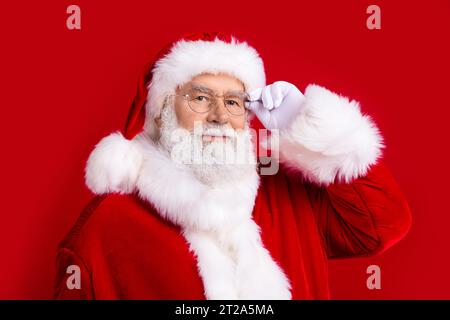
(232, 103)
(201, 98)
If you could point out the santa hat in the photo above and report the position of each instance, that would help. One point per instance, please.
(186, 57)
(114, 163)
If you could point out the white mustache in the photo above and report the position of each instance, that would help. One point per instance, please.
(218, 132)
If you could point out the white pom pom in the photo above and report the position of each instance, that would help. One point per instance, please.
(114, 165)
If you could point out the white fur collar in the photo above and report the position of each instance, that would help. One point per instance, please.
(181, 198)
(216, 221)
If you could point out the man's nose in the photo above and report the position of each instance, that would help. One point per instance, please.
(218, 113)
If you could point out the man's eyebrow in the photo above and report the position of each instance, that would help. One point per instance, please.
(238, 93)
(204, 89)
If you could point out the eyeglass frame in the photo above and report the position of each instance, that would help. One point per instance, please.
(210, 92)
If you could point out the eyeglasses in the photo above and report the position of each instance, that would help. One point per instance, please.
(201, 100)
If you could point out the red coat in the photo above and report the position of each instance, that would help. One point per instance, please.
(126, 251)
(137, 240)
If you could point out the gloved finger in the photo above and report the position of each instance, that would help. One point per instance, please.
(263, 115)
(255, 95)
(257, 107)
(278, 94)
(285, 87)
(267, 98)
(253, 105)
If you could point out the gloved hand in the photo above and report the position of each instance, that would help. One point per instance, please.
(277, 104)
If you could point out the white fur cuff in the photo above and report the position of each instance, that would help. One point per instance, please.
(331, 139)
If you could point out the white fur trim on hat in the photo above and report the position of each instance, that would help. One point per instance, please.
(331, 140)
(187, 59)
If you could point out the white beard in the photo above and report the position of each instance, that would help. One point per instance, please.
(213, 163)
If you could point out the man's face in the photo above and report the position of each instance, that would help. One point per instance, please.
(219, 85)
(216, 143)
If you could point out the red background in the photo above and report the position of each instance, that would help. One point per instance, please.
(63, 90)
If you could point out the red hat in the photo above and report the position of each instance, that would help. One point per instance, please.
(183, 59)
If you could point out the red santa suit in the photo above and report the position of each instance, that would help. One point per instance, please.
(154, 231)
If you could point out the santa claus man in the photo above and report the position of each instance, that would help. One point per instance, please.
(181, 210)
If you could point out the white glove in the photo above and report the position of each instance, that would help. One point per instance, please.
(277, 104)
